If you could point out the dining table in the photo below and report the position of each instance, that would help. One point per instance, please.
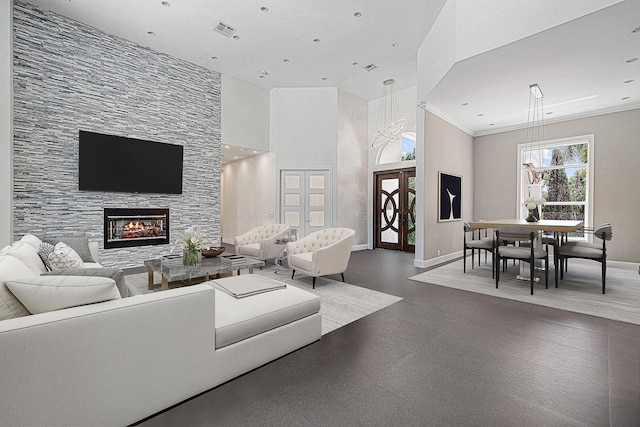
(557, 226)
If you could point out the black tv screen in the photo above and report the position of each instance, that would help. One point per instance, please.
(116, 163)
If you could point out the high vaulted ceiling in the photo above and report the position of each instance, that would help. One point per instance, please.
(278, 41)
(584, 66)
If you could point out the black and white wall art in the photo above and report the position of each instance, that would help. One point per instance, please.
(450, 197)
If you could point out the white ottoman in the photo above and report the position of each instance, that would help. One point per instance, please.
(241, 318)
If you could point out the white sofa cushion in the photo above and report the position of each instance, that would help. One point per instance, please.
(32, 240)
(11, 268)
(303, 261)
(24, 252)
(49, 293)
(64, 256)
(238, 319)
(252, 250)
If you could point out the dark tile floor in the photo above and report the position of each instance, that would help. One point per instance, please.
(439, 357)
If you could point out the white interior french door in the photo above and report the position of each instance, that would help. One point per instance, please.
(306, 202)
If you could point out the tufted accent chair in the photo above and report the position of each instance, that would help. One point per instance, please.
(258, 243)
(322, 252)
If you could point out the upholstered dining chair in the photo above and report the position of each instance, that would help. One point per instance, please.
(585, 250)
(321, 253)
(259, 242)
(486, 243)
(529, 253)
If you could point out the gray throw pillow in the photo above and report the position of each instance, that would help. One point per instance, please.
(80, 244)
(110, 272)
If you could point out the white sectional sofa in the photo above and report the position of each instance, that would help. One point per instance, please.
(119, 361)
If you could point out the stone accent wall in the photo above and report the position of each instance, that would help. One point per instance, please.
(70, 77)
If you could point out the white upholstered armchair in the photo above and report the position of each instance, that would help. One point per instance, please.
(258, 243)
(322, 252)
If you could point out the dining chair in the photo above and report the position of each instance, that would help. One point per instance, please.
(485, 243)
(585, 250)
(529, 253)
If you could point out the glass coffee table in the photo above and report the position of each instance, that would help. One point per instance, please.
(209, 268)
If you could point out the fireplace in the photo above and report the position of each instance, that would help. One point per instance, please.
(135, 227)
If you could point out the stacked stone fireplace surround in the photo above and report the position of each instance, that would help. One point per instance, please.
(70, 77)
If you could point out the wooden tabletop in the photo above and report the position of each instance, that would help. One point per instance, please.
(544, 224)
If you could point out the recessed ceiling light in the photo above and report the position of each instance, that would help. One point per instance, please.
(480, 115)
(630, 60)
(629, 81)
(625, 98)
(214, 57)
(316, 40)
(324, 78)
(151, 33)
(354, 64)
(226, 146)
(492, 124)
(395, 44)
(236, 37)
(549, 112)
(464, 104)
(285, 60)
(264, 9)
(235, 157)
(636, 30)
(357, 14)
(166, 4)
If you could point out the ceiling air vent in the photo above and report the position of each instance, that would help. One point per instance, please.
(370, 67)
(225, 29)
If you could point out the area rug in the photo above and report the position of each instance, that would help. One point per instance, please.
(579, 292)
(341, 303)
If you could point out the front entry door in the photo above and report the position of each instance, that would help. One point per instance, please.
(395, 209)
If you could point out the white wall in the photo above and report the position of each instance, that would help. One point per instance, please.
(616, 160)
(245, 118)
(310, 128)
(304, 127)
(6, 122)
(352, 163)
(446, 149)
(248, 194)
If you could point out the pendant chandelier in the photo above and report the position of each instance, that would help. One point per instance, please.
(389, 126)
(535, 132)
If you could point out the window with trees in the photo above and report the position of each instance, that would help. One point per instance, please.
(567, 184)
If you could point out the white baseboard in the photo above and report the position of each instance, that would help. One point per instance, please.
(432, 262)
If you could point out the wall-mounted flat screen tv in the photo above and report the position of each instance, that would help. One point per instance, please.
(116, 163)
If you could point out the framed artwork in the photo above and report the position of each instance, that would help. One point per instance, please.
(450, 197)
